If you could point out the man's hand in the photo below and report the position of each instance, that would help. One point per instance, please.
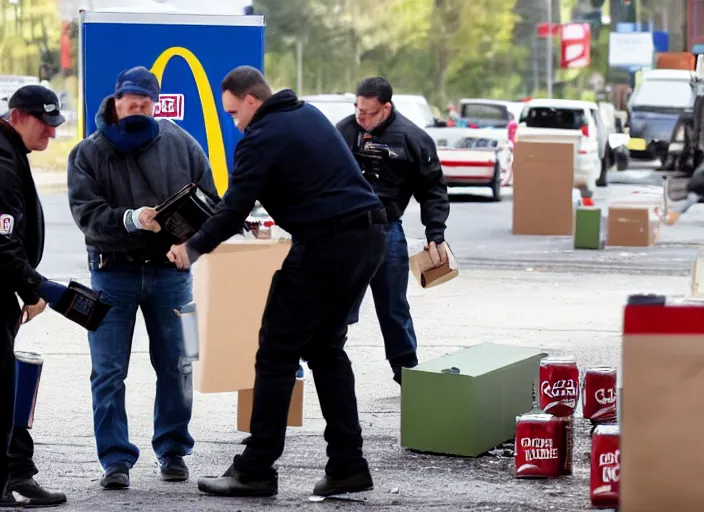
(29, 312)
(438, 253)
(146, 219)
(179, 255)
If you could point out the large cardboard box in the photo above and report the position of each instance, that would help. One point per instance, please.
(466, 403)
(662, 411)
(245, 399)
(543, 180)
(632, 225)
(230, 288)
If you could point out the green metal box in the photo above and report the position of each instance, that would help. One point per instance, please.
(470, 412)
(589, 232)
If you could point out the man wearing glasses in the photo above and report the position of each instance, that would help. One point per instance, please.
(399, 160)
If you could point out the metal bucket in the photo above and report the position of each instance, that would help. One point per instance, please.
(189, 325)
(28, 371)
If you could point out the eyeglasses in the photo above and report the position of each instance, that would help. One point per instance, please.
(362, 113)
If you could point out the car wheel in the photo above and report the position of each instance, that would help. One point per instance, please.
(602, 181)
(496, 184)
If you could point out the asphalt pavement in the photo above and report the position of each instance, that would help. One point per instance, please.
(516, 290)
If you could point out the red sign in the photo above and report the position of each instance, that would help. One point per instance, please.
(170, 106)
(548, 29)
(576, 45)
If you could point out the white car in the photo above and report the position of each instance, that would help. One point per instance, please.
(475, 157)
(335, 107)
(549, 120)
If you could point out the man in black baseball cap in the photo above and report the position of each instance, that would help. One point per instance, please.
(35, 113)
(28, 126)
(39, 102)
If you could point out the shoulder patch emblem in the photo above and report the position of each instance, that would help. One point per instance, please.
(7, 224)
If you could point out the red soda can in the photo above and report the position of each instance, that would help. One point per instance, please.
(539, 446)
(606, 466)
(599, 395)
(559, 385)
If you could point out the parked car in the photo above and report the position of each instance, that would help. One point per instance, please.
(663, 96)
(334, 106)
(417, 109)
(483, 113)
(579, 121)
(475, 157)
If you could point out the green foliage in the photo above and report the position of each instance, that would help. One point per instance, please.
(29, 36)
(443, 49)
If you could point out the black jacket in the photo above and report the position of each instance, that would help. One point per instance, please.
(400, 160)
(294, 161)
(21, 220)
(103, 183)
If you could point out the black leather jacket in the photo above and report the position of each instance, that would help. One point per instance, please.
(400, 160)
(21, 221)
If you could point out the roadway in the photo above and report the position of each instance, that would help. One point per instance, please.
(518, 290)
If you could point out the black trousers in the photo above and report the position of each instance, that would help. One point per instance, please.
(16, 444)
(9, 320)
(305, 317)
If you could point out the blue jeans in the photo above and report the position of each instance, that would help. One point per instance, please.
(157, 292)
(389, 287)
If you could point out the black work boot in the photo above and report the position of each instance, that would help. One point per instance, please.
(233, 483)
(356, 482)
(7, 500)
(35, 494)
(174, 469)
(116, 476)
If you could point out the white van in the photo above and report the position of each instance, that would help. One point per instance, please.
(549, 120)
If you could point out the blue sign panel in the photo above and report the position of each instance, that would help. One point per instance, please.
(190, 55)
(661, 41)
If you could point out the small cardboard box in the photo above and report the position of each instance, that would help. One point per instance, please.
(427, 274)
(632, 225)
(245, 400)
(466, 403)
(588, 228)
(543, 180)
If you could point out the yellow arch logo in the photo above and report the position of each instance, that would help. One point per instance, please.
(216, 146)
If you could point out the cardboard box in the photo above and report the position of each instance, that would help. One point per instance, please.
(662, 412)
(470, 412)
(427, 274)
(589, 232)
(245, 399)
(543, 180)
(632, 225)
(230, 289)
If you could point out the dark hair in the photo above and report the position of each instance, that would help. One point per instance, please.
(244, 80)
(376, 87)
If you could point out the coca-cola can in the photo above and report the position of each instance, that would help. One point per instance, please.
(606, 467)
(559, 385)
(539, 446)
(567, 444)
(599, 395)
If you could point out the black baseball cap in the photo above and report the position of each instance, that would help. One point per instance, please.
(40, 102)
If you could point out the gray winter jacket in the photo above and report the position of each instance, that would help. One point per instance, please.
(103, 183)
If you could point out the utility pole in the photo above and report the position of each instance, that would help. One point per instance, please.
(299, 66)
(549, 48)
